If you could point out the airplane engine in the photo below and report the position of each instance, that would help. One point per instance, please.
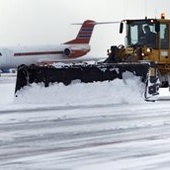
(74, 52)
(67, 52)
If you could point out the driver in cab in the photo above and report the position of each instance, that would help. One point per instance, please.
(149, 36)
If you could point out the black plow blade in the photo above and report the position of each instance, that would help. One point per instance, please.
(86, 73)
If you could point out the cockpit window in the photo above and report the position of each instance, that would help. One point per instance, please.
(142, 33)
(0, 54)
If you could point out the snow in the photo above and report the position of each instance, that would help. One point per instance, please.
(91, 126)
(116, 91)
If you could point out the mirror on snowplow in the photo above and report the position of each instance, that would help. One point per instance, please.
(87, 73)
(121, 28)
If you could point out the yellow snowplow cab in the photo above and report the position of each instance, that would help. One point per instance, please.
(145, 40)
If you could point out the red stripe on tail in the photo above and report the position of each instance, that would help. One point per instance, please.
(84, 34)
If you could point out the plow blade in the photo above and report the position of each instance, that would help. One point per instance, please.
(86, 73)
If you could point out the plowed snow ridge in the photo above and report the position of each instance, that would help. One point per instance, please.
(117, 91)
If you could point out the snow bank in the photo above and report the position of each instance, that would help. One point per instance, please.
(118, 91)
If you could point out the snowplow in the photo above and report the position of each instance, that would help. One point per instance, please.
(146, 54)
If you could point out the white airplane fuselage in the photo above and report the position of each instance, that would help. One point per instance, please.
(12, 57)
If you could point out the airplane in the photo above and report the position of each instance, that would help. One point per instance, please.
(12, 57)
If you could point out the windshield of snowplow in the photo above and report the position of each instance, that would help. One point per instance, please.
(142, 32)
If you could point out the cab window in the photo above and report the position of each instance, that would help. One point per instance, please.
(142, 33)
(164, 36)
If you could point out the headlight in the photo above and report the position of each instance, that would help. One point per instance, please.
(142, 54)
(148, 50)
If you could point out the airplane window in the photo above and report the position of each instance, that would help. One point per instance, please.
(0, 54)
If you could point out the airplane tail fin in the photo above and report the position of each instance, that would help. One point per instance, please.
(84, 34)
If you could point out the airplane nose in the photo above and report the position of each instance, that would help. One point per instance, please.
(1, 60)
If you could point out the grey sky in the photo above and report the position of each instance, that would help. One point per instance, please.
(32, 22)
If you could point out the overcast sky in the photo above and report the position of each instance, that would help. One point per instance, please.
(33, 22)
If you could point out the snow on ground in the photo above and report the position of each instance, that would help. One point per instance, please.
(106, 92)
(7, 87)
(100, 126)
